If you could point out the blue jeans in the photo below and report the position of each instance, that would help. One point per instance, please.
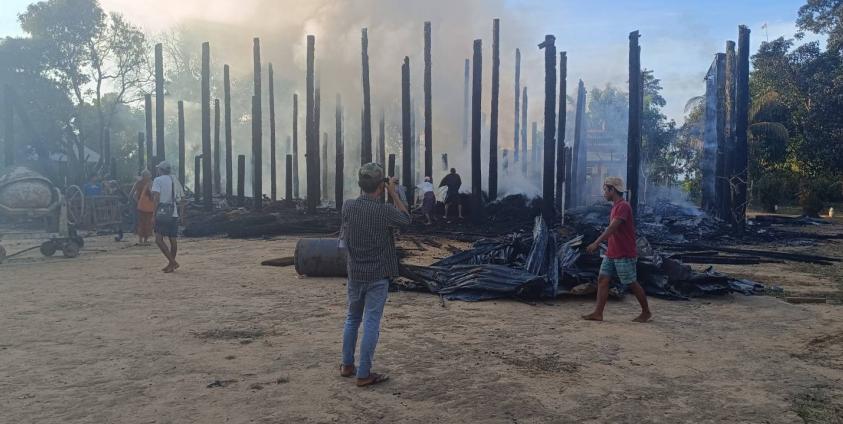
(365, 304)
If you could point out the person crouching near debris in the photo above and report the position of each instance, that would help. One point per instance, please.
(168, 196)
(622, 255)
(367, 228)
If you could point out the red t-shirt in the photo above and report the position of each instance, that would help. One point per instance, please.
(622, 241)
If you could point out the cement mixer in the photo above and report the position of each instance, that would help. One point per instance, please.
(27, 195)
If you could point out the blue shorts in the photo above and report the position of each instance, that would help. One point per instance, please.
(622, 269)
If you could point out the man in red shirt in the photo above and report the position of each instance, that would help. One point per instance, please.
(622, 255)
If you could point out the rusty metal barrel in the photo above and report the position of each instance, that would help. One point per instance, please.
(320, 258)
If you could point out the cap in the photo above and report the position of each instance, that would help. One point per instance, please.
(370, 171)
(164, 165)
(615, 182)
(427, 179)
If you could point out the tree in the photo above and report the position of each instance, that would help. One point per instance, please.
(660, 156)
(822, 17)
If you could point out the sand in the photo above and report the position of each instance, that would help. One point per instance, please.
(108, 338)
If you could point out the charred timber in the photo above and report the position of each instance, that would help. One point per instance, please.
(465, 103)
(207, 185)
(217, 168)
(428, 107)
(325, 165)
(296, 146)
(182, 153)
(633, 149)
(739, 182)
(728, 163)
(721, 183)
(382, 141)
(317, 121)
(339, 156)
(257, 129)
(493, 125)
(366, 125)
(476, 104)
(273, 175)
(160, 150)
(517, 97)
(288, 181)
(241, 180)
(578, 152)
(197, 180)
(229, 171)
(560, 133)
(406, 132)
(311, 137)
(549, 169)
(524, 158)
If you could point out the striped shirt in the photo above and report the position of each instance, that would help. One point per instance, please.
(367, 230)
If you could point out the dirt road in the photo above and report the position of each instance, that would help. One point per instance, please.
(107, 338)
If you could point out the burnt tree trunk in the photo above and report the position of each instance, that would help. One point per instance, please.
(147, 107)
(288, 181)
(406, 132)
(382, 141)
(160, 150)
(476, 104)
(197, 179)
(296, 146)
(516, 120)
(741, 157)
(317, 121)
(549, 168)
(633, 149)
(366, 125)
(339, 157)
(728, 163)
(182, 153)
(311, 137)
(273, 175)
(229, 171)
(217, 168)
(721, 183)
(578, 152)
(560, 134)
(465, 112)
(391, 168)
(524, 157)
(207, 185)
(9, 128)
(241, 180)
(257, 129)
(325, 165)
(428, 106)
(569, 177)
(493, 125)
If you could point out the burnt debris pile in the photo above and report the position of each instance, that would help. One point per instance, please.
(278, 218)
(544, 264)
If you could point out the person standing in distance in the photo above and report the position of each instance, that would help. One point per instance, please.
(367, 231)
(621, 256)
(168, 199)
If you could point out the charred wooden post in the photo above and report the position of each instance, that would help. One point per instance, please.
(428, 107)
(560, 134)
(633, 160)
(197, 178)
(257, 129)
(141, 164)
(549, 168)
(216, 164)
(147, 106)
(524, 158)
(391, 168)
(273, 183)
(516, 121)
(569, 179)
(207, 185)
(722, 194)
(406, 132)
(578, 152)
(476, 104)
(229, 174)
(296, 146)
(741, 157)
(9, 127)
(160, 150)
(325, 165)
(465, 112)
(311, 134)
(241, 180)
(317, 121)
(493, 125)
(382, 140)
(182, 158)
(366, 125)
(729, 154)
(339, 159)
(288, 181)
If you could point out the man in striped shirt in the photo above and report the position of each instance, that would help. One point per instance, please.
(367, 230)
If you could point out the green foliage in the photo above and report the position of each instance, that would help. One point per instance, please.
(661, 156)
(822, 17)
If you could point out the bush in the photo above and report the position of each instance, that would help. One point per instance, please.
(774, 188)
(814, 193)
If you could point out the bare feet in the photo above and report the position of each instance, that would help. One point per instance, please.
(171, 267)
(594, 316)
(644, 317)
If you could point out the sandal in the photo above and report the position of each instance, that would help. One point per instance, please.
(372, 379)
(347, 373)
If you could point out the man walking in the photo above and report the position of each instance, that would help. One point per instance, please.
(167, 196)
(367, 231)
(621, 256)
(453, 182)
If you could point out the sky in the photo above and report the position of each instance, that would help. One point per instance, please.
(678, 38)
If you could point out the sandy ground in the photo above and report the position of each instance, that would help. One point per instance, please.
(107, 338)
